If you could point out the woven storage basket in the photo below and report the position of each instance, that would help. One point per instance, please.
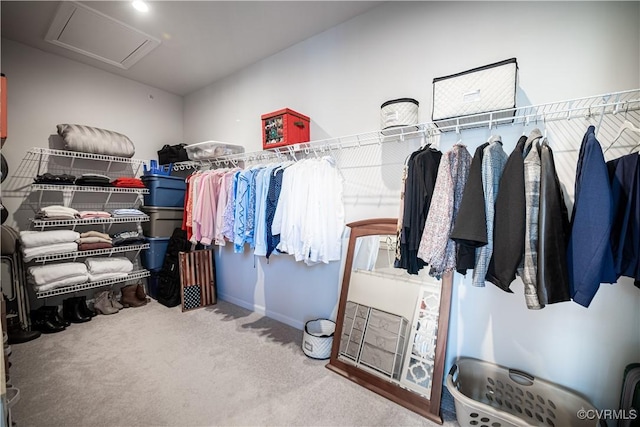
(490, 395)
(318, 338)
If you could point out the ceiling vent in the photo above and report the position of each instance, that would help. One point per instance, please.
(86, 31)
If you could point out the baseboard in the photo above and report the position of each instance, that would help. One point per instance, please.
(262, 310)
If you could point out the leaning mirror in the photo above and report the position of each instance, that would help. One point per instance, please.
(391, 327)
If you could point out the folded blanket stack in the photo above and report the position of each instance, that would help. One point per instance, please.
(108, 268)
(128, 182)
(37, 243)
(94, 240)
(57, 212)
(127, 212)
(52, 276)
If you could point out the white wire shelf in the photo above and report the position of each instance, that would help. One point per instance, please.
(43, 223)
(85, 156)
(93, 252)
(588, 107)
(140, 274)
(87, 189)
(40, 160)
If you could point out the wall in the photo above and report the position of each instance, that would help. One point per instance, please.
(340, 78)
(45, 90)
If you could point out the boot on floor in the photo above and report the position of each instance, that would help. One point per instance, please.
(129, 298)
(51, 312)
(102, 303)
(72, 310)
(41, 322)
(114, 301)
(17, 334)
(140, 294)
(84, 308)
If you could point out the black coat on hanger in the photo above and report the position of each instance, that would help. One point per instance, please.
(553, 234)
(470, 228)
(509, 224)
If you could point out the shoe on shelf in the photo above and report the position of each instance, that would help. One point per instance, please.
(129, 298)
(42, 323)
(72, 310)
(102, 303)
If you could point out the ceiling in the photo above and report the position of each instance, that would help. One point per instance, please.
(201, 41)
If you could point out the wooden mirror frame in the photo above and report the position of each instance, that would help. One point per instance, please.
(429, 408)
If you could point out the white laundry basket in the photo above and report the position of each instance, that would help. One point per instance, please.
(490, 395)
(318, 338)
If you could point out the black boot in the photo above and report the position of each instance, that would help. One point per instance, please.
(71, 311)
(16, 333)
(40, 321)
(51, 311)
(84, 308)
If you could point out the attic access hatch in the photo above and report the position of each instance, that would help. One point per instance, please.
(91, 33)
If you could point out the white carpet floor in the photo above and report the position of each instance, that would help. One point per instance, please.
(218, 366)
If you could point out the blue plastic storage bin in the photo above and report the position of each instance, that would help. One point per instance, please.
(153, 258)
(166, 191)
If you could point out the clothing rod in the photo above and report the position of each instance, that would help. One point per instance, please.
(577, 108)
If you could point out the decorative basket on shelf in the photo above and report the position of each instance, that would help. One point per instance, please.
(318, 338)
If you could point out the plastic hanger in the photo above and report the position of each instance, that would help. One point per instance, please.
(626, 125)
(459, 135)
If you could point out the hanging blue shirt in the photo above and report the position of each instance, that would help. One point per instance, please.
(275, 185)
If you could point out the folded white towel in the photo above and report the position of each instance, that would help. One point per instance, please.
(103, 276)
(69, 281)
(31, 239)
(56, 248)
(108, 265)
(44, 274)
